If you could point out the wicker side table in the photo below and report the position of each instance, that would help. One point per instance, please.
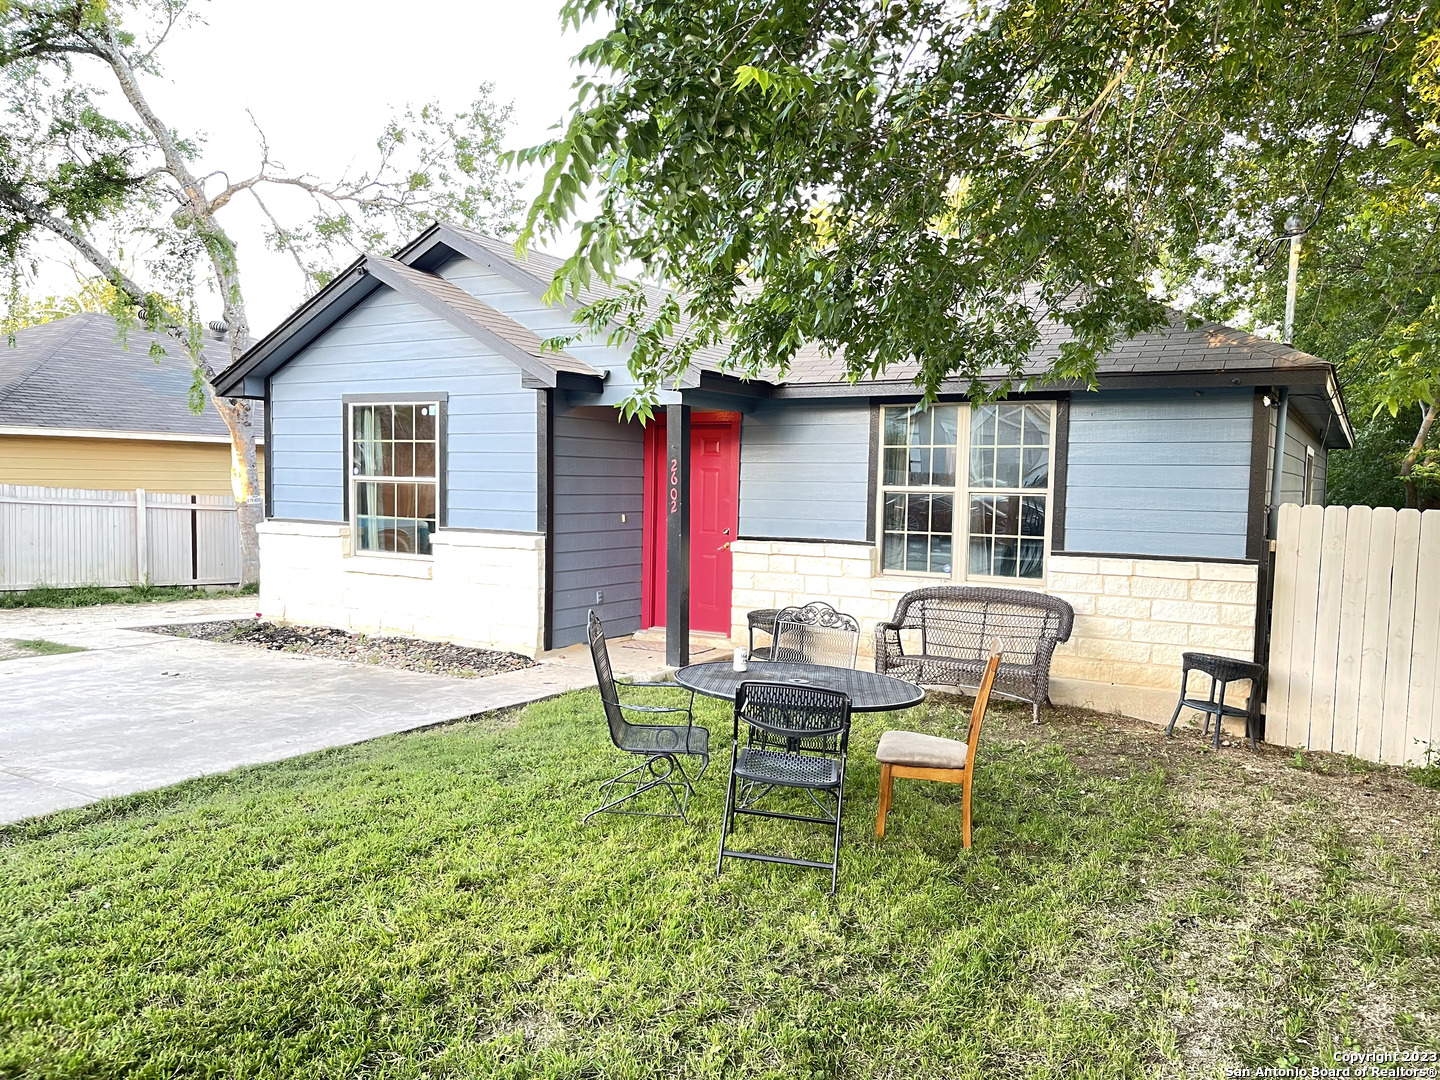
(1223, 670)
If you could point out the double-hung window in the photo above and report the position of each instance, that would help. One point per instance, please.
(965, 492)
(395, 461)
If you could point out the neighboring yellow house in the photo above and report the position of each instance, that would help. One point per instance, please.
(79, 409)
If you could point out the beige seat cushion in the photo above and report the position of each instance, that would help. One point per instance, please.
(920, 751)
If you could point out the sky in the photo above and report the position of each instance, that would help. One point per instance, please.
(322, 78)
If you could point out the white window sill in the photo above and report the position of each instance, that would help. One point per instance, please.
(894, 583)
(389, 567)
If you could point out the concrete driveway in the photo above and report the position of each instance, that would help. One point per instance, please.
(138, 711)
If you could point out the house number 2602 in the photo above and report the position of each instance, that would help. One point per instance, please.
(674, 485)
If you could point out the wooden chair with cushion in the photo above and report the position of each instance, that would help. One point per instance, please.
(913, 756)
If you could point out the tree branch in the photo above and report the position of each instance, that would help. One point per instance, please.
(36, 215)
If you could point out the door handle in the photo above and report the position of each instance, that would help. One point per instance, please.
(724, 547)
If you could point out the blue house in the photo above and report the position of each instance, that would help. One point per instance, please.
(433, 471)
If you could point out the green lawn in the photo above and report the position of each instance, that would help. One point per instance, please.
(429, 905)
(14, 648)
(90, 595)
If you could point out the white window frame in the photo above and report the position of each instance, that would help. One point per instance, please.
(1307, 483)
(960, 537)
(353, 480)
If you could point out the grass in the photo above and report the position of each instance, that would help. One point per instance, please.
(37, 647)
(429, 905)
(90, 595)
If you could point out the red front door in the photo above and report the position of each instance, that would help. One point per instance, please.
(714, 519)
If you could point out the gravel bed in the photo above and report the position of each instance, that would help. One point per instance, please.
(411, 654)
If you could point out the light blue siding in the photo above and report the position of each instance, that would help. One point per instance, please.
(547, 321)
(391, 345)
(598, 479)
(1159, 473)
(805, 471)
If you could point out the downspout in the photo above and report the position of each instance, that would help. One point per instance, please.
(1277, 465)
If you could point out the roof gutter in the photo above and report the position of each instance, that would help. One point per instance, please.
(43, 432)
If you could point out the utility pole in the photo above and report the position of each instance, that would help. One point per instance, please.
(1292, 229)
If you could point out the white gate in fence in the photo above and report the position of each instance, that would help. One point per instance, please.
(72, 536)
(1355, 632)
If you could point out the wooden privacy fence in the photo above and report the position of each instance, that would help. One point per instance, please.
(72, 536)
(1355, 632)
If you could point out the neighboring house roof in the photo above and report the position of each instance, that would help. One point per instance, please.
(1208, 354)
(75, 376)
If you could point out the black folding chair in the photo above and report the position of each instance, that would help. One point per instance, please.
(798, 737)
(661, 745)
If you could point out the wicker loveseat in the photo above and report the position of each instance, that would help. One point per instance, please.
(942, 635)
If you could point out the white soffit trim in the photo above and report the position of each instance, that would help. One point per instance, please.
(108, 433)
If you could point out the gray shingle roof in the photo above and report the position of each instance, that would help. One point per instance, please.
(76, 373)
(541, 267)
(487, 317)
(1209, 347)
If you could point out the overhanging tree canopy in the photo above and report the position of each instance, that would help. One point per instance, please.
(86, 159)
(929, 180)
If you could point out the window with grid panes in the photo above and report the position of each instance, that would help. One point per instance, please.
(1001, 491)
(1009, 483)
(394, 493)
(918, 481)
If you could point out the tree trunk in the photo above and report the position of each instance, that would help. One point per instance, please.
(197, 213)
(244, 481)
(1407, 463)
(244, 475)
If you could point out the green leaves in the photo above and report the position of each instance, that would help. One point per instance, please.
(786, 84)
(929, 182)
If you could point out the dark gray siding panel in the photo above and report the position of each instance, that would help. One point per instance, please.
(390, 345)
(805, 471)
(598, 478)
(1159, 473)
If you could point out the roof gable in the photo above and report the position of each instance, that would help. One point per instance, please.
(540, 367)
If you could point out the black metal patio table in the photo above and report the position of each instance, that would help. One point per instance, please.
(868, 691)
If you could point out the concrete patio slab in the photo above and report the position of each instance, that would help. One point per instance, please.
(139, 711)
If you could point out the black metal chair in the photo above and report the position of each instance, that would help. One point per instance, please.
(1222, 670)
(815, 634)
(661, 745)
(798, 737)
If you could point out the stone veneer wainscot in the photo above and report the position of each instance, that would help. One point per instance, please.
(1133, 617)
(481, 588)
